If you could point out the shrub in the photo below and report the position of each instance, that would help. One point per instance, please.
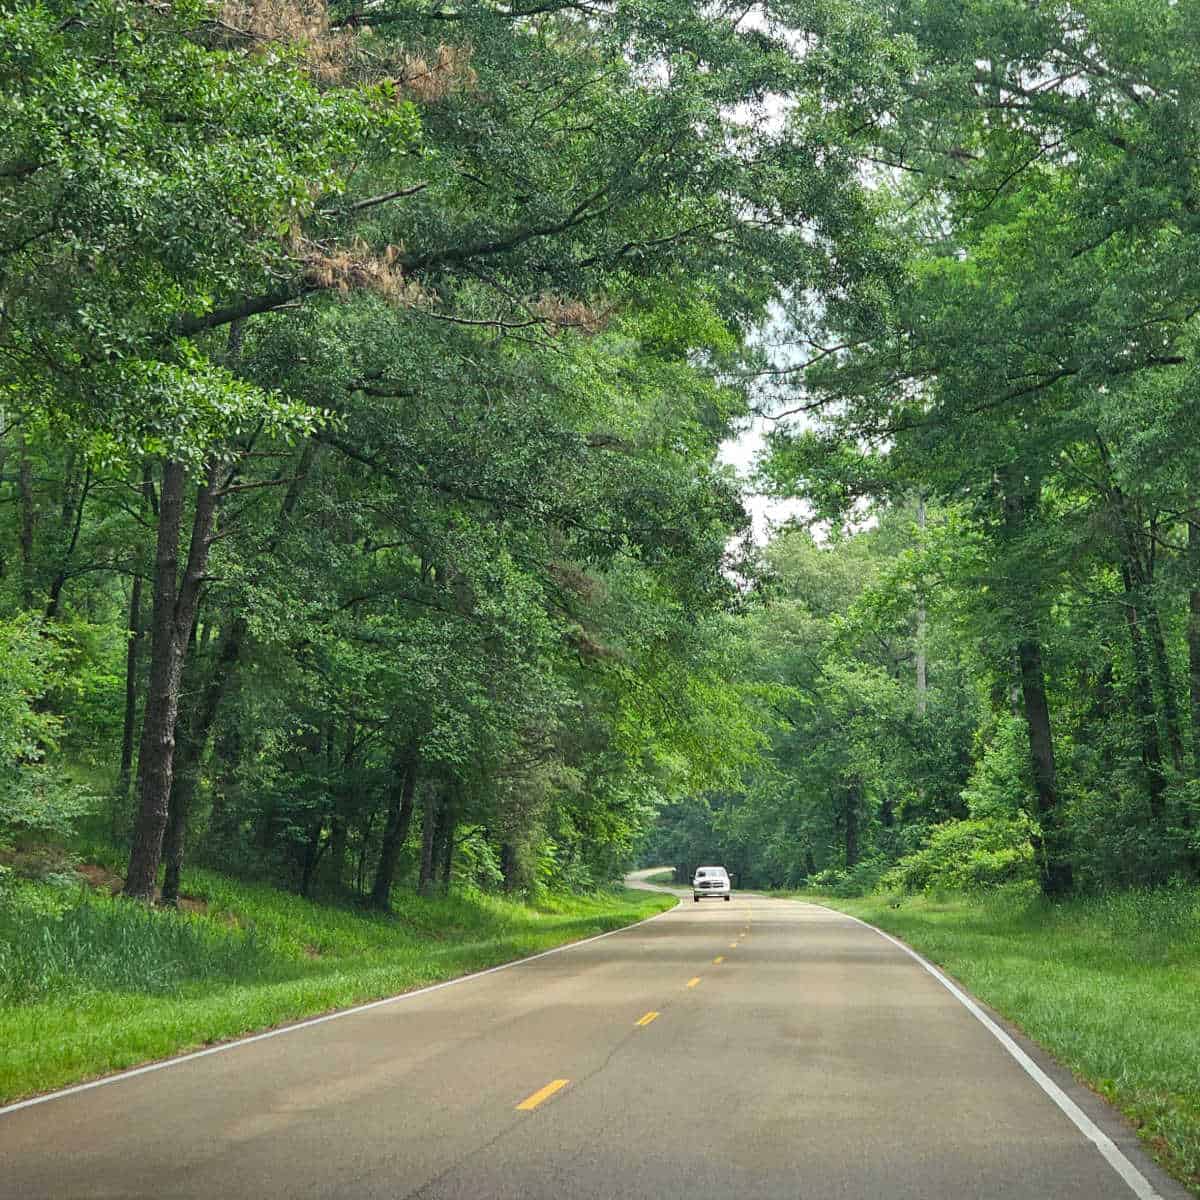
(477, 863)
(36, 803)
(1116, 843)
(29, 669)
(845, 882)
(88, 687)
(828, 880)
(39, 806)
(966, 856)
(1000, 786)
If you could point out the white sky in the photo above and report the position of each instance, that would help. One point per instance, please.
(740, 453)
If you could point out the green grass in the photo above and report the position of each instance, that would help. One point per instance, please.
(90, 984)
(664, 877)
(1109, 985)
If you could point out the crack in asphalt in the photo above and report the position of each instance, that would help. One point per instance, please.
(424, 1190)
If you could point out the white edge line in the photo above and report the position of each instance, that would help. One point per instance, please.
(1137, 1182)
(309, 1022)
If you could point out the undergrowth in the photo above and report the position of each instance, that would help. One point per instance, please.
(96, 945)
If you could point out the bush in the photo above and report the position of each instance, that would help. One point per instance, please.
(477, 863)
(44, 863)
(1116, 843)
(30, 663)
(1000, 786)
(863, 877)
(36, 803)
(844, 882)
(966, 856)
(828, 880)
(89, 686)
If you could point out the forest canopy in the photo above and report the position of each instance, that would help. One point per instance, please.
(364, 371)
(992, 654)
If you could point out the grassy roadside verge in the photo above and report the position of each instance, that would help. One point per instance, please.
(91, 985)
(1110, 986)
(663, 878)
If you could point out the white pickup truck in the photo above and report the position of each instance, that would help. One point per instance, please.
(711, 881)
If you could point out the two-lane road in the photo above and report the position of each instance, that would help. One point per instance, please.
(758, 1048)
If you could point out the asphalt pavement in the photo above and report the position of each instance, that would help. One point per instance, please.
(753, 1048)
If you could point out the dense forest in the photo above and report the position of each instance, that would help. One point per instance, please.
(364, 370)
(988, 660)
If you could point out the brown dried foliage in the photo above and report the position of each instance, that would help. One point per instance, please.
(563, 313)
(587, 647)
(301, 23)
(359, 267)
(574, 579)
(330, 51)
(428, 80)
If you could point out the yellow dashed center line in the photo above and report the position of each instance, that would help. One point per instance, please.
(531, 1102)
(719, 959)
(647, 1018)
(693, 981)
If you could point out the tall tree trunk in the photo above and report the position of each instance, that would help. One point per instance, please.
(73, 506)
(363, 848)
(225, 815)
(887, 813)
(1166, 685)
(335, 860)
(174, 610)
(430, 818)
(1143, 701)
(1141, 559)
(1054, 864)
(922, 682)
(1193, 638)
(1137, 577)
(508, 866)
(195, 725)
(447, 827)
(850, 819)
(183, 788)
(1103, 695)
(132, 650)
(314, 848)
(1102, 707)
(395, 831)
(28, 517)
(1057, 876)
(185, 776)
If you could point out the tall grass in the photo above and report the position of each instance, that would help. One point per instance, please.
(104, 945)
(1109, 984)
